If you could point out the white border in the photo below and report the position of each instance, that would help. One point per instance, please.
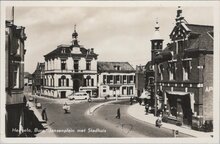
(214, 4)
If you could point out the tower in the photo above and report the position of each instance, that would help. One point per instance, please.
(75, 44)
(179, 17)
(75, 36)
(156, 43)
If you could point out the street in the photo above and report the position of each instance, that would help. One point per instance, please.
(101, 124)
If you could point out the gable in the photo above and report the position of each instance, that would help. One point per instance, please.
(180, 31)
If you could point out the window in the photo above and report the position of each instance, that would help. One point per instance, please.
(63, 64)
(104, 90)
(16, 76)
(88, 65)
(180, 47)
(104, 79)
(117, 67)
(76, 65)
(63, 81)
(63, 50)
(160, 70)
(117, 79)
(109, 78)
(172, 70)
(186, 69)
(92, 82)
(124, 78)
(67, 82)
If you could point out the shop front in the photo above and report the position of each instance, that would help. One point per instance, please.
(179, 107)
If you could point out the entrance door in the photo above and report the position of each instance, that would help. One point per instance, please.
(76, 85)
(187, 111)
(63, 94)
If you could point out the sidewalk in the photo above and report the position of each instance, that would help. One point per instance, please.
(46, 132)
(137, 111)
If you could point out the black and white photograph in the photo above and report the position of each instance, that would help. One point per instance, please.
(110, 72)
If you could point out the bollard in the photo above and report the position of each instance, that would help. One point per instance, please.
(175, 133)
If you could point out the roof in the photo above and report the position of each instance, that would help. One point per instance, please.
(40, 67)
(201, 29)
(118, 67)
(68, 48)
(27, 75)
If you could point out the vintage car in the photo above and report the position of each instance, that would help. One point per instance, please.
(79, 95)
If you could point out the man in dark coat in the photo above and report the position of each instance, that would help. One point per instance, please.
(118, 116)
(131, 100)
(44, 114)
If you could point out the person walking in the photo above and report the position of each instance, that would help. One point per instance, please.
(25, 100)
(44, 114)
(118, 116)
(146, 109)
(131, 100)
(140, 101)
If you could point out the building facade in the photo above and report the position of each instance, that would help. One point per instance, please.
(14, 74)
(70, 68)
(140, 79)
(38, 79)
(116, 79)
(27, 79)
(184, 73)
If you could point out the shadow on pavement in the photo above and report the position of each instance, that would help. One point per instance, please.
(32, 125)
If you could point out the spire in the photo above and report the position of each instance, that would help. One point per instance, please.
(157, 31)
(157, 25)
(179, 17)
(74, 36)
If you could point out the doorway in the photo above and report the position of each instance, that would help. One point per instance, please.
(76, 85)
(180, 104)
(63, 94)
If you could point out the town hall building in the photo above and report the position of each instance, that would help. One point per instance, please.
(70, 68)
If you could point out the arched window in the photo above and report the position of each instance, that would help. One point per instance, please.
(63, 81)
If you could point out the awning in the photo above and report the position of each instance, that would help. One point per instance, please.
(177, 93)
(145, 94)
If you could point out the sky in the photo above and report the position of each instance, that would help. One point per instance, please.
(115, 33)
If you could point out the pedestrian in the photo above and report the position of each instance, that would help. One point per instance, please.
(140, 101)
(44, 114)
(118, 116)
(146, 108)
(66, 108)
(35, 100)
(25, 100)
(131, 100)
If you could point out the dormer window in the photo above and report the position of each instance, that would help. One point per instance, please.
(63, 50)
(117, 67)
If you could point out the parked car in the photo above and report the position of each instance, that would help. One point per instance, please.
(30, 98)
(79, 95)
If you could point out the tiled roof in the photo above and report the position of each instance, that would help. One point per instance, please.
(111, 67)
(200, 29)
(68, 48)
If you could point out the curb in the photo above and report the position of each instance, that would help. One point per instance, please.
(91, 110)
